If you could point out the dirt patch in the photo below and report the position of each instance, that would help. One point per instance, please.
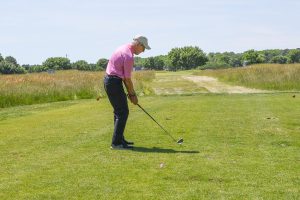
(160, 91)
(215, 86)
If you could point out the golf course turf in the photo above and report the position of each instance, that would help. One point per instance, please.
(238, 146)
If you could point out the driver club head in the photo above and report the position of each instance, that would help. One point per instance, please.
(180, 141)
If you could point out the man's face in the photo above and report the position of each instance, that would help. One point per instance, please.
(140, 48)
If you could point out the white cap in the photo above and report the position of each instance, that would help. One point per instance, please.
(143, 40)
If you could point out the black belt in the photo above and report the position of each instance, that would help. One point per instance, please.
(113, 76)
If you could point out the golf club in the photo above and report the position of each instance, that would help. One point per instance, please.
(180, 141)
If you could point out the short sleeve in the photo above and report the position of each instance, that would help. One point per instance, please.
(128, 66)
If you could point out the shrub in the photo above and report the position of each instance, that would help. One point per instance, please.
(10, 68)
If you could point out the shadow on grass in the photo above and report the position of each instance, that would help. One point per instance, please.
(159, 150)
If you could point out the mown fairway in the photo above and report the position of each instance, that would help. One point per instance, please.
(236, 147)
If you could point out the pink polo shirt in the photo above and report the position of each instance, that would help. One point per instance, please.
(121, 62)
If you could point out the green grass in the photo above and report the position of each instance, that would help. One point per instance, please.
(27, 89)
(172, 83)
(236, 147)
(283, 77)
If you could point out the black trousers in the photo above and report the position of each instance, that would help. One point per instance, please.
(114, 88)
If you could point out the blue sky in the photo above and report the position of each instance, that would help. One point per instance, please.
(34, 30)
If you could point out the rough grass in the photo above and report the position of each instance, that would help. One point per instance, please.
(142, 82)
(44, 87)
(63, 85)
(236, 147)
(72, 85)
(264, 76)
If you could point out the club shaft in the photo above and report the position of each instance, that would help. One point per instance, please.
(156, 122)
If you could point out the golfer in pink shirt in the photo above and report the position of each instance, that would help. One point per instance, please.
(118, 71)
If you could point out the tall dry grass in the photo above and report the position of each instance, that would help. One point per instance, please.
(63, 85)
(44, 87)
(142, 80)
(283, 77)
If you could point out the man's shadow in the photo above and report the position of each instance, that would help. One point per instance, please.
(159, 150)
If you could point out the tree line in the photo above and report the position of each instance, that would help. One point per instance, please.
(194, 58)
(184, 58)
(9, 65)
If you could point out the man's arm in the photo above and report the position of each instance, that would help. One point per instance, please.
(131, 93)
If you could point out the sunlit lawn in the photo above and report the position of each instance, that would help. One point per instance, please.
(236, 147)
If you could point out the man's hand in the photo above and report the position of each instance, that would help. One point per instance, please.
(133, 98)
(131, 93)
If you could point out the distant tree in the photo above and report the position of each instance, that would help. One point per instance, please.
(11, 60)
(167, 62)
(218, 59)
(192, 57)
(251, 56)
(37, 68)
(294, 56)
(261, 58)
(187, 57)
(270, 54)
(10, 68)
(153, 63)
(102, 63)
(223, 60)
(236, 60)
(279, 59)
(1, 58)
(57, 63)
(174, 58)
(138, 61)
(20, 70)
(94, 67)
(285, 52)
(6, 67)
(26, 67)
(164, 58)
(81, 65)
(159, 63)
(148, 63)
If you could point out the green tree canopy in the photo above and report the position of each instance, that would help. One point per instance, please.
(187, 57)
(138, 61)
(57, 63)
(36, 68)
(261, 58)
(270, 53)
(174, 59)
(279, 59)
(102, 63)
(153, 63)
(294, 56)
(10, 68)
(11, 60)
(252, 57)
(81, 65)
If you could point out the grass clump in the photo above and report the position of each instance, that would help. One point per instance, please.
(284, 77)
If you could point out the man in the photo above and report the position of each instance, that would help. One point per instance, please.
(119, 70)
